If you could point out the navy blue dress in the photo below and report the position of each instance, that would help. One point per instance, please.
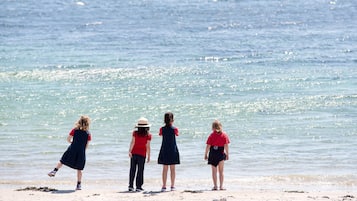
(75, 156)
(169, 154)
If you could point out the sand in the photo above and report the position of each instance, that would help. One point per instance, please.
(60, 190)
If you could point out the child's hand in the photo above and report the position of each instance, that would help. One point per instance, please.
(148, 160)
(206, 157)
(130, 155)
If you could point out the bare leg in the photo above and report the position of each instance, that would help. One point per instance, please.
(53, 172)
(172, 175)
(221, 174)
(214, 177)
(59, 165)
(164, 175)
(79, 176)
(79, 179)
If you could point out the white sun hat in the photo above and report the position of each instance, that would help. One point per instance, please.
(142, 123)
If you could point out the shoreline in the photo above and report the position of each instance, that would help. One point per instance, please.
(18, 190)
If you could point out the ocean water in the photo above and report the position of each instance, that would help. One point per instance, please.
(280, 75)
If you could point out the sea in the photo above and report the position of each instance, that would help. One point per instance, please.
(280, 75)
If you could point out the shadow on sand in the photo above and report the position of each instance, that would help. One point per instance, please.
(148, 193)
(144, 192)
(63, 191)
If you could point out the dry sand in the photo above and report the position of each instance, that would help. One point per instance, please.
(61, 190)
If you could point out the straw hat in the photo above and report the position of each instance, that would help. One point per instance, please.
(142, 123)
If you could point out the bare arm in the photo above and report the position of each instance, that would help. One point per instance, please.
(148, 149)
(226, 151)
(69, 138)
(206, 151)
(131, 146)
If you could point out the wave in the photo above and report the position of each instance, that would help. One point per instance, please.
(88, 72)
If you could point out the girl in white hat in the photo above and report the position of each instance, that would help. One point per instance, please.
(139, 151)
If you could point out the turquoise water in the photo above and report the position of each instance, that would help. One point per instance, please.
(280, 75)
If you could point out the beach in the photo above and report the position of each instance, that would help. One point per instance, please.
(280, 76)
(101, 194)
(114, 190)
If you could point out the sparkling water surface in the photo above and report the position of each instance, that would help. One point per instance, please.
(280, 75)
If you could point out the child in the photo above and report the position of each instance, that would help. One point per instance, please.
(75, 156)
(217, 146)
(139, 149)
(169, 154)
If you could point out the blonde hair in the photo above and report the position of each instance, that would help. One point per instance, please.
(83, 123)
(217, 126)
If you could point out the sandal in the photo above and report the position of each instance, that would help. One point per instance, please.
(52, 173)
(163, 189)
(214, 188)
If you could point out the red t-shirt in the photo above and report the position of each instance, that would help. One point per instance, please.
(89, 135)
(218, 139)
(140, 144)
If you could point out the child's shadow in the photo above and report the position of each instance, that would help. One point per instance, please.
(143, 192)
(128, 192)
(63, 191)
(153, 192)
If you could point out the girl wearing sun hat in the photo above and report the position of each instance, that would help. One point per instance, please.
(139, 151)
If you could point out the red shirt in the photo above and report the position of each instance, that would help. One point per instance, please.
(140, 144)
(89, 135)
(218, 139)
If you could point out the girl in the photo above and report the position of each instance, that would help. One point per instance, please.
(217, 146)
(75, 156)
(169, 155)
(139, 149)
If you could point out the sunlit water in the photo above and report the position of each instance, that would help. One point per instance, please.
(280, 75)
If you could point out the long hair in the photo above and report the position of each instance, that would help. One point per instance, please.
(83, 123)
(143, 131)
(168, 119)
